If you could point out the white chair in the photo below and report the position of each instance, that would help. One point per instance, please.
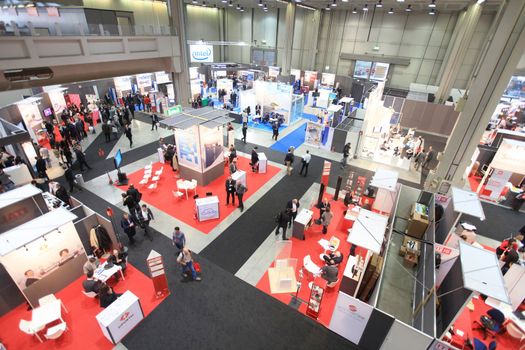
(26, 327)
(181, 186)
(144, 181)
(56, 332)
(159, 172)
(49, 298)
(152, 186)
(334, 243)
(177, 194)
(89, 294)
(148, 166)
(155, 178)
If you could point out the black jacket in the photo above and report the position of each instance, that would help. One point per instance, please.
(70, 177)
(283, 218)
(135, 194)
(289, 157)
(289, 205)
(230, 186)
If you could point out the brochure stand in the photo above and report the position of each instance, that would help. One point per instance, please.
(158, 274)
(316, 297)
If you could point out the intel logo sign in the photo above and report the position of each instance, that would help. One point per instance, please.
(201, 53)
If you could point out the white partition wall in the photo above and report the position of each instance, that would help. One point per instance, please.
(402, 336)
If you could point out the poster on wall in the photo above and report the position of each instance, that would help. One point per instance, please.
(201, 53)
(328, 79)
(313, 134)
(362, 69)
(350, 317)
(310, 77)
(122, 84)
(188, 152)
(296, 73)
(273, 71)
(57, 101)
(144, 81)
(32, 118)
(211, 146)
(43, 257)
(162, 78)
(379, 71)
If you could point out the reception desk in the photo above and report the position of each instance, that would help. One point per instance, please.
(240, 175)
(263, 163)
(207, 208)
(301, 223)
(119, 318)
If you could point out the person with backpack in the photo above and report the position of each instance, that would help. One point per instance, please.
(288, 161)
(282, 220)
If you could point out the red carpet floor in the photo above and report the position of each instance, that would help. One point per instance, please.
(83, 329)
(465, 323)
(311, 246)
(182, 209)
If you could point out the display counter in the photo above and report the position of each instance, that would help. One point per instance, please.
(119, 318)
(240, 175)
(207, 208)
(352, 275)
(301, 223)
(263, 163)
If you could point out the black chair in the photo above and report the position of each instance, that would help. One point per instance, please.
(491, 323)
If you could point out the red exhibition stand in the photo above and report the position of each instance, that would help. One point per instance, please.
(158, 274)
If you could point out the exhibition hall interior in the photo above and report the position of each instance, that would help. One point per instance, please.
(262, 174)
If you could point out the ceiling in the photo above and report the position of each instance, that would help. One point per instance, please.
(416, 5)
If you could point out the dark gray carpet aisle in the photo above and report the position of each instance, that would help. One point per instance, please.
(221, 312)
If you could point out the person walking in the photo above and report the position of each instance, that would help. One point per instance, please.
(244, 131)
(145, 216)
(254, 160)
(282, 220)
(129, 135)
(186, 261)
(66, 153)
(230, 190)
(44, 153)
(288, 160)
(81, 158)
(305, 162)
(346, 153)
(70, 178)
(41, 168)
(293, 208)
(275, 129)
(233, 166)
(154, 122)
(178, 239)
(128, 225)
(132, 205)
(326, 219)
(106, 129)
(419, 159)
(428, 158)
(325, 204)
(133, 192)
(240, 189)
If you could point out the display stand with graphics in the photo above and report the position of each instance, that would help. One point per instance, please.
(263, 163)
(120, 317)
(316, 298)
(350, 317)
(158, 274)
(386, 183)
(207, 208)
(240, 175)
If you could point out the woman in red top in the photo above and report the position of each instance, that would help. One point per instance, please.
(147, 103)
(506, 244)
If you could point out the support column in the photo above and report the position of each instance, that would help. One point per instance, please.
(310, 41)
(462, 37)
(288, 39)
(179, 65)
(496, 69)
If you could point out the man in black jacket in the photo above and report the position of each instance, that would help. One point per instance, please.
(133, 192)
(41, 168)
(230, 190)
(70, 178)
(282, 221)
(90, 284)
(132, 205)
(288, 160)
(81, 158)
(244, 131)
(154, 121)
(255, 160)
(128, 225)
(129, 135)
(62, 194)
(145, 216)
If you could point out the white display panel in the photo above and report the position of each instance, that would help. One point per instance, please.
(201, 53)
(369, 230)
(57, 101)
(143, 80)
(510, 156)
(273, 71)
(211, 146)
(296, 73)
(187, 147)
(362, 69)
(162, 77)
(467, 202)
(207, 208)
(122, 84)
(350, 317)
(328, 79)
(379, 71)
(32, 118)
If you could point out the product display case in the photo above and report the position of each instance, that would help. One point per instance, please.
(316, 297)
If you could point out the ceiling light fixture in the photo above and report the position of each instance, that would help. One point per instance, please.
(432, 12)
(260, 3)
(327, 7)
(409, 8)
(400, 0)
(265, 7)
(432, 4)
(204, 3)
(298, 0)
(480, 2)
(379, 3)
(230, 4)
(193, 1)
(354, 11)
(391, 11)
(238, 6)
(242, 9)
(365, 8)
(334, 3)
(344, 0)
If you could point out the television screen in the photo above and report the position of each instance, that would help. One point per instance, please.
(48, 112)
(118, 159)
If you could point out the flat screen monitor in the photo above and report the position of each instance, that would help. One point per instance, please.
(48, 112)
(118, 159)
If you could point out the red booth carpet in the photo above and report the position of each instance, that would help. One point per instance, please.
(83, 329)
(311, 246)
(184, 209)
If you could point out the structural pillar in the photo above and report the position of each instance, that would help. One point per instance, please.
(180, 66)
(288, 38)
(462, 36)
(505, 49)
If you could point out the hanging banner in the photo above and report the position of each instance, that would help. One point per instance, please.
(144, 81)
(296, 73)
(328, 79)
(122, 83)
(201, 53)
(350, 317)
(162, 77)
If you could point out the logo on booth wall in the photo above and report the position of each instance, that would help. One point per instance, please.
(201, 53)
(124, 316)
(352, 308)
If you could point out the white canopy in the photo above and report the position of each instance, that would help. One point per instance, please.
(346, 99)
(369, 230)
(334, 108)
(510, 156)
(18, 194)
(384, 178)
(467, 202)
(34, 229)
(481, 272)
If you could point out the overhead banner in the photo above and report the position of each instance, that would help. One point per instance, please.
(350, 317)
(201, 53)
(296, 73)
(328, 79)
(122, 83)
(144, 80)
(273, 71)
(162, 78)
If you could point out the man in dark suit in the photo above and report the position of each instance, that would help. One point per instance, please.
(292, 207)
(230, 190)
(282, 220)
(133, 192)
(128, 225)
(90, 284)
(145, 216)
(41, 168)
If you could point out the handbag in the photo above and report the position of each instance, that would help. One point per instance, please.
(197, 267)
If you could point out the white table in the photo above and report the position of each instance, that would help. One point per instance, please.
(47, 313)
(103, 275)
(185, 185)
(302, 222)
(207, 208)
(120, 317)
(263, 163)
(240, 175)
(310, 266)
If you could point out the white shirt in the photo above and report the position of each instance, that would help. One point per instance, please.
(145, 214)
(307, 157)
(294, 207)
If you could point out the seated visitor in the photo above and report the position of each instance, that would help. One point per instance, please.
(90, 284)
(329, 273)
(333, 258)
(107, 295)
(509, 257)
(118, 258)
(91, 264)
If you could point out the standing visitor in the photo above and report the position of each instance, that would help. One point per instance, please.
(240, 189)
(145, 216)
(129, 135)
(428, 158)
(305, 162)
(244, 131)
(154, 122)
(70, 178)
(326, 219)
(41, 168)
(288, 161)
(178, 239)
(282, 220)
(346, 153)
(254, 160)
(230, 190)
(81, 158)
(293, 208)
(275, 129)
(128, 225)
